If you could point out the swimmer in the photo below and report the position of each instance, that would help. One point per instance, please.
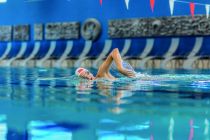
(103, 71)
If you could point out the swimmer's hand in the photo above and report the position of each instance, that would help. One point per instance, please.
(128, 73)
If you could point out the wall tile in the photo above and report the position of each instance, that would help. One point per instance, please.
(38, 31)
(164, 26)
(65, 30)
(5, 33)
(21, 32)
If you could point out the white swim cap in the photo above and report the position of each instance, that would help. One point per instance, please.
(79, 71)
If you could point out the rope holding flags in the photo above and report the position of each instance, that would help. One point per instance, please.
(171, 6)
(191, 5)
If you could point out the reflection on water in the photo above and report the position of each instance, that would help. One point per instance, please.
(3, 127)
(39, 130)
(55, 104)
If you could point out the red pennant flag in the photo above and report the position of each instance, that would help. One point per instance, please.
(101, 2)
(152, 4)
(192, 9)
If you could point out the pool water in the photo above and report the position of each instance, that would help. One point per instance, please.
(53, 104)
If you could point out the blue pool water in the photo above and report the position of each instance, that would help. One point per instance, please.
(52, 104)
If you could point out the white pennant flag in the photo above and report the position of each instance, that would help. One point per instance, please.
(207, 10)
(127, 3)
(171, 4)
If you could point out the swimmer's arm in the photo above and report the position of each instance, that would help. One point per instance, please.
(105, 66)
(116, 57)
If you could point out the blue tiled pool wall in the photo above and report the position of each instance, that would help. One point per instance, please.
(44, 12)
(185, 46)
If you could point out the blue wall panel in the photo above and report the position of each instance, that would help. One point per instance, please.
(42, 11)
(22, 12)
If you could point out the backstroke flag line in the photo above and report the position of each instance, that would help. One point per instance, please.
(127, 4)
(171, 4)
(207, 11)
(192, 9)
(152, 4)
(192, 6)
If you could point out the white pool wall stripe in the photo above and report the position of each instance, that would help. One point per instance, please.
(197, 46)
(189, 62)
(86, 50)
(148, 48)
(195, 49)
(49, 53)
(22, 50)
(8, 49)
(126, 47)
(173, 47)
(68, 49)
(87, 47)
(20, 54)
(32, 55)
(105, 51)
(192, 56)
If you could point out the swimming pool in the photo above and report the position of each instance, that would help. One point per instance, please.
(41, 103)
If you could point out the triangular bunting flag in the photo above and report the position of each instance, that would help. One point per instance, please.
(127, 3)
(101, 1)
(171, 4)
(152, 4)
(207, 11)
(192, 9)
